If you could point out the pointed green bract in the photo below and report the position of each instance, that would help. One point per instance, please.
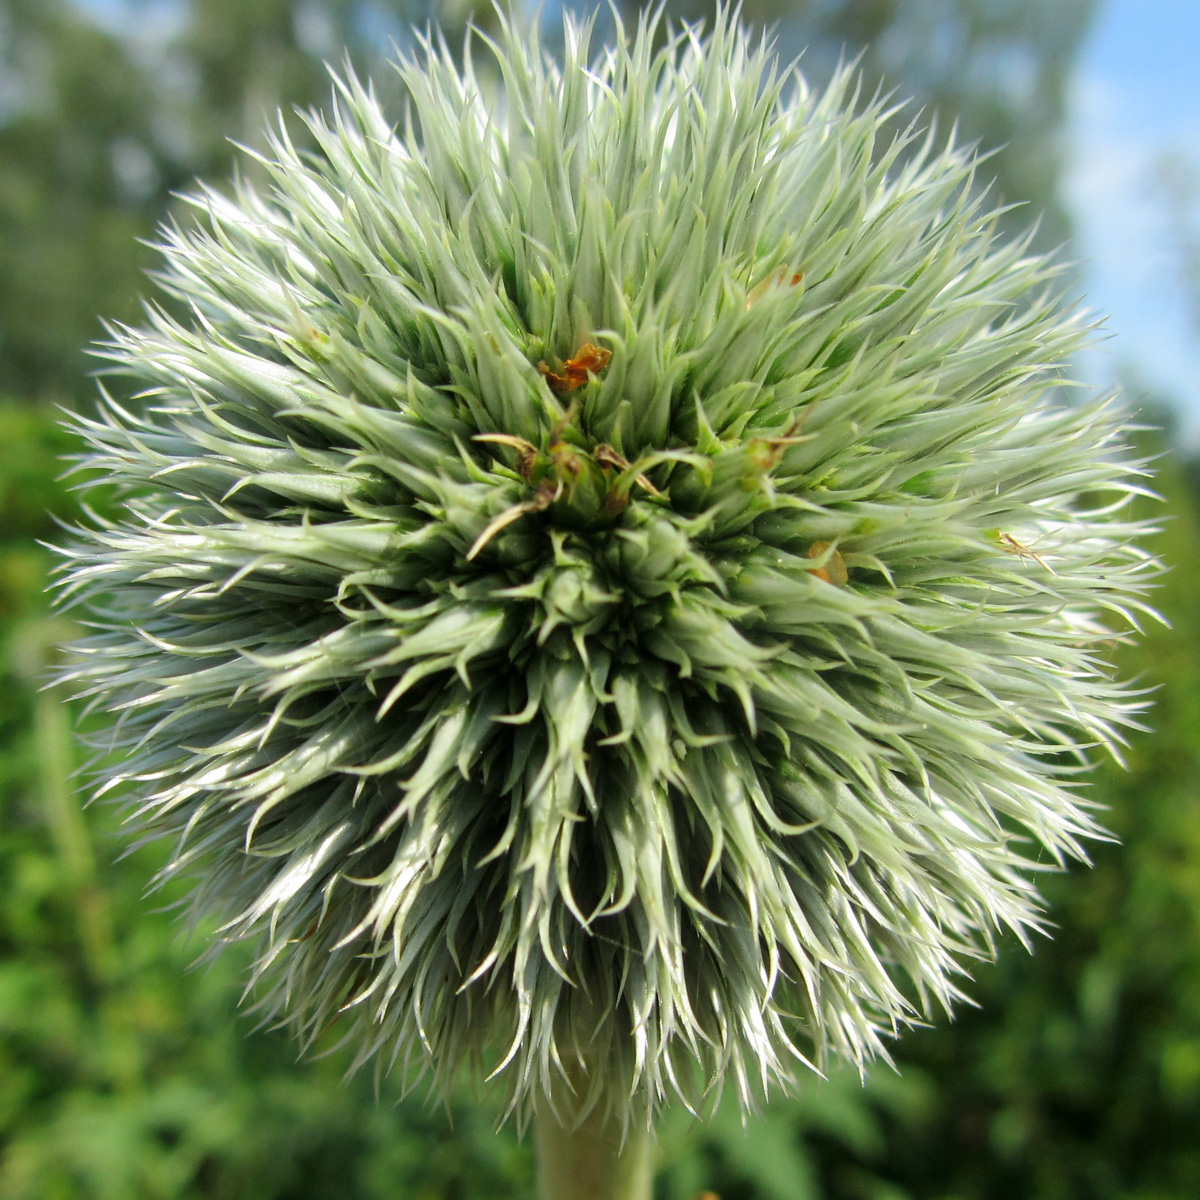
(609, 586)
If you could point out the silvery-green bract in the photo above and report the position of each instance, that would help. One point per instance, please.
(608, 582)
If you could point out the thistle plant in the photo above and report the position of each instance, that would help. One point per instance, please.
(612, 589)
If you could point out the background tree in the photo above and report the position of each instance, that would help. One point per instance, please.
(76, 190)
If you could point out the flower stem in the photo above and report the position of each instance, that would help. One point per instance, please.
(592, 1158)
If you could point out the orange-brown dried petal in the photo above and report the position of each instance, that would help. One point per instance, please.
(834, 571)
(557, 383)
(589, 357)
(575, 370)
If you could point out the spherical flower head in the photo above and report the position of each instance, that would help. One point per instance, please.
(610, 585)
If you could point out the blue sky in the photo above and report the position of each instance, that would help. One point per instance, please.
(1135, 98)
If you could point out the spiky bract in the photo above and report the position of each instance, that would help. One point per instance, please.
(657, 717)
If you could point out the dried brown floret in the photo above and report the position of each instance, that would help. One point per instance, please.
(588, 358)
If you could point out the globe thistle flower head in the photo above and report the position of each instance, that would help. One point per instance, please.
(609, 587)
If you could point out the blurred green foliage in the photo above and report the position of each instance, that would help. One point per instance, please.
(125, 1069)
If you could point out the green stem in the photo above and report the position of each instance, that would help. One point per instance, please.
(592, 1158)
